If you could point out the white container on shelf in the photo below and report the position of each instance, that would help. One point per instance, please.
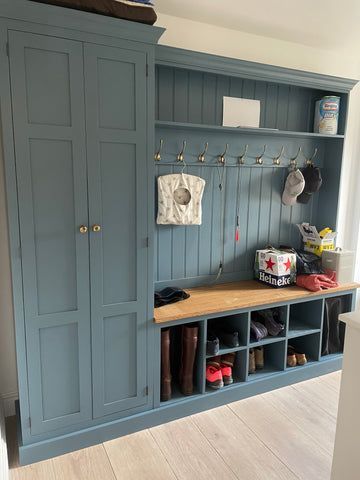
(327, 115)
(340, 261)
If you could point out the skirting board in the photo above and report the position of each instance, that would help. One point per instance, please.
(4, 466)
(9, 400)
(101, 433)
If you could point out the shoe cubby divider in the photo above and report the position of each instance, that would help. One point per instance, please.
(282, 313)
(308, 344)
(274, 360)
(305, 317)
(230, 323)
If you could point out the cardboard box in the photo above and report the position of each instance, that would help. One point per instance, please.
(275, 267)
(313, 242)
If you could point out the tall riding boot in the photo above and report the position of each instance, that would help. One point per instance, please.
(165, 365)
(189, 340)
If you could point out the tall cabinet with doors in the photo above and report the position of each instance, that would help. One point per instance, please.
(78, 104)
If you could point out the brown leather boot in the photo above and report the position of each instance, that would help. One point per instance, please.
(189, 340)
(165, 365)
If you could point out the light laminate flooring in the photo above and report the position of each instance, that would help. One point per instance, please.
(287, 434)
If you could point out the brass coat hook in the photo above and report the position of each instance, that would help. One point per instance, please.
(293, 161)
(259, 159)
(241, 158)
(157, 155)
(222, 158)
(309, 161)
(277, 160)
(202, 155)
(180, 157)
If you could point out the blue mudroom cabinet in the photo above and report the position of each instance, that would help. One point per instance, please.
(82, 124)
(83, 98)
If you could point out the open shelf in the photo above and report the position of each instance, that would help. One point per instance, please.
(248, 131)
(308, 344)
(305, 318)
(274, 361)
(224, 350)
(230, 323)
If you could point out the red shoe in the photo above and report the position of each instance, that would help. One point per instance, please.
(214, 377)
(227, 363)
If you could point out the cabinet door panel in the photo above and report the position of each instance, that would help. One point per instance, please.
(115, 89)
(49, 126)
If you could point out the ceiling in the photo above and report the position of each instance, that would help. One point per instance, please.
(328, 24)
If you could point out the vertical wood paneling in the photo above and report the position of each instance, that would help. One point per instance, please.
(260, 94)
(191, 241)
(209, 100)
(164, 243)
(254, 210)
(223, 90)
(253, 193)
(282, 107)
(271, 106)
(181, 96)
(205, 240)
(245, 186)
(195, 97)
(215, 224)
(165, 80)
(230, 220)
(264, 213)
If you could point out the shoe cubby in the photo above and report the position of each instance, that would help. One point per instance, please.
(308, 345)
(180, 359)
(306, 329)
(305, 318)
(232, 332)
(239, 368)
(333, 330)
(269, 318)
(274, 360)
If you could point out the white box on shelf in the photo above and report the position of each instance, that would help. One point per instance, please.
(241, 112)
(340, 261)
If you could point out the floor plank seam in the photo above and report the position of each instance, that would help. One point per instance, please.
(298, 389)
(214, 448)
(163, 454)
(109, 459)
(265, 444)
(300, 428)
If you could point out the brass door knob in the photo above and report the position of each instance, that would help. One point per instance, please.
(83, 229)
(96, 228)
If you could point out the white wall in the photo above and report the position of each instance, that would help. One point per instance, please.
(210, 39)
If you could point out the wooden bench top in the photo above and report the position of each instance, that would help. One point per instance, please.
(233, 296)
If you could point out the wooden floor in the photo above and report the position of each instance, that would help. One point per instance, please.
(287, 434)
